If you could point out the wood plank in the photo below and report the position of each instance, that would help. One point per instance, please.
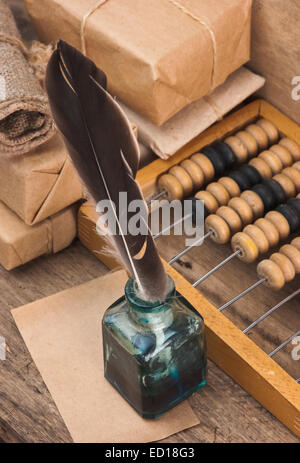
(27, 412)
(236, 353)
(244, 361)
(275, 51)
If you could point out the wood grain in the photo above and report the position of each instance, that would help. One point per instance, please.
(234, 352)
(227, 413)
(27, 412)
(275, 51)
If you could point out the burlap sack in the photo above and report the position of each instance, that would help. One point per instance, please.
(25, 119)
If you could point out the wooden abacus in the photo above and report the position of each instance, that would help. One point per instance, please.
(232, 207)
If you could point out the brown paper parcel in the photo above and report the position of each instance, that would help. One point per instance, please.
(40, 183)
(21, 243)
(63, 335)
(170, 137)
(158, 54)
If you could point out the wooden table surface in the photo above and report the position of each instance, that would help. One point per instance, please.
(27, 412)
(226, 412)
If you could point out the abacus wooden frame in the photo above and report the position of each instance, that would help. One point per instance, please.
(228, 347)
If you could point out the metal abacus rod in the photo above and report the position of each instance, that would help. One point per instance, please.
(229, 258)
(221, 264)
(156, 197)
(182, 253)
(209, 233)
(285, 343)
(279, 269)
(284, 196)
(212, 161)
(270, 162)
(208, 274)
(242, 294)
(270, 311)
(172, 226)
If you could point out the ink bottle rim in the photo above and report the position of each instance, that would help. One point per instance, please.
(139, 304)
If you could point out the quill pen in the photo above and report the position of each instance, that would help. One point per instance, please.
(104, 150)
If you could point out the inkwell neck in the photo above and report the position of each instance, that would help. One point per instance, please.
(157, 314)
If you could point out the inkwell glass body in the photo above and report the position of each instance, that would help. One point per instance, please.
(154, 352)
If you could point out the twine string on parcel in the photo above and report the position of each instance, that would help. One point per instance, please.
(178, 5)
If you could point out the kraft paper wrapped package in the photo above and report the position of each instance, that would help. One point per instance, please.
(159, 55)
(170, 137)
(40, 183)
(21, 243)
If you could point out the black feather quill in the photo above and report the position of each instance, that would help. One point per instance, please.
(105, 152)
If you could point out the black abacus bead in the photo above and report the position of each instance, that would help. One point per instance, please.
(294, 203)
(276, 189)
(291, 216)
(216, 159)
(226, 152)
(206, 212)
(251, 173)
(266, 195)
(241, 179)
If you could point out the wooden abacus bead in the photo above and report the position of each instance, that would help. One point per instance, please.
(209, 200)
(231, 186)
(254, 201)
(243, 209)
(294, 175)
(260, 136)
(293, 254)
(238, 148)
(296, 242)
(195, 172)
(221, 232)
(270, 129)
(272, 160)
(262, 167)
(232, 219)
(287, 185)
(206, 166)
(219, 192)
(273, 274)
(244, 243)
(285, 265)
(269, 230)
(258, 237)
(292, 147)
(296, 165)
(171, 185)
(249, 141)
(284, 155)
(280, 223)
(183, 178)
